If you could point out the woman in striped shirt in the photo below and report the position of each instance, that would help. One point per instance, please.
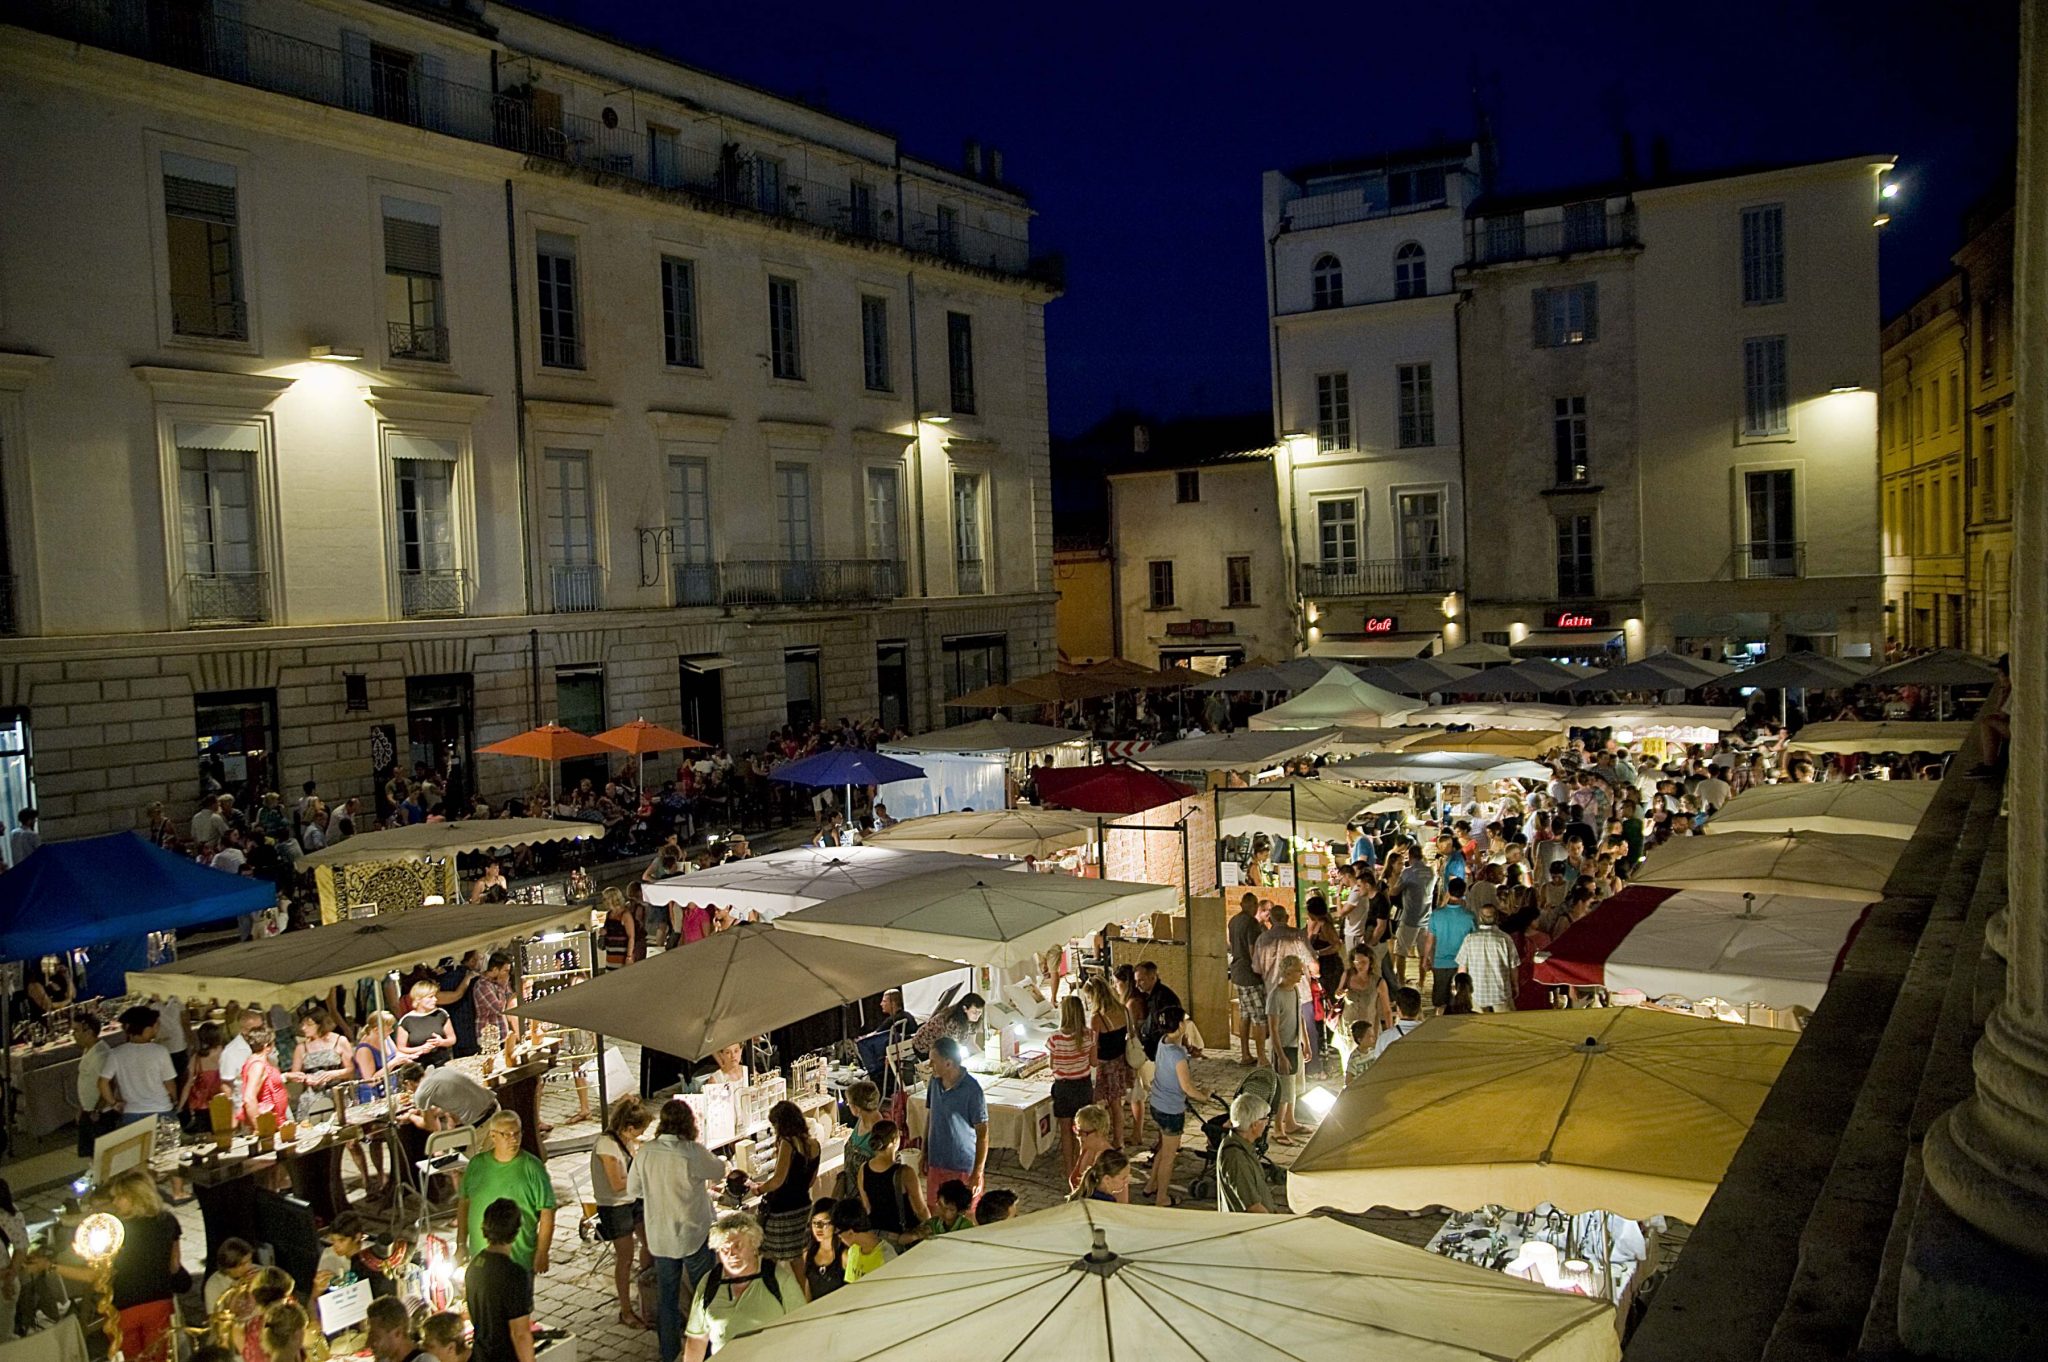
(1071, 1050)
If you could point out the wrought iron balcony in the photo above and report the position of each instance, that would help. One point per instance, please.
(227, 598)
(433, 592)
(968, 579)
(1762, 559)
(522, 118)
(1378, 577)
(694, 583)
(575, 586)
(429, 343)
(209, 318)
(819, 581)
(1511, 236)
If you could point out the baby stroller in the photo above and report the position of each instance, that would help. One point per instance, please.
(1263, 1083)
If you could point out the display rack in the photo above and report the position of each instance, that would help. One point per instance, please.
(548, 964)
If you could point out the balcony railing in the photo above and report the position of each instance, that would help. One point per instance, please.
(1761, 559)
(10, 620)
(429, 343)
(515, 119)
(227, 597)
(695, 583)
(1510, 236)
(433, 592)
(821, 581)
(1340, 206)
(968, 578)
(575, 586)
(1379, 577)
(209, 318)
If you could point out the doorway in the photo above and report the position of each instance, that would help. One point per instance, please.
(892, 685)
(236, 734)
(440, 721)
(703, 690)
(579, 706)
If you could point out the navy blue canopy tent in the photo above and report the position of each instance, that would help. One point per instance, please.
(107, 891)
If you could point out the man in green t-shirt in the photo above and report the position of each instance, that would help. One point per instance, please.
(503, 1169)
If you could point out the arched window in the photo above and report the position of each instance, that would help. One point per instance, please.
(1411, 272)
(1326, 278)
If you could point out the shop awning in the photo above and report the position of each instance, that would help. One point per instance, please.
(716, 662)
(421, 841)
(1441, 768)
(288, 969)
(1494, 714)
(1374, 646)
(784, 881)
(1566, 642)
(986, 735)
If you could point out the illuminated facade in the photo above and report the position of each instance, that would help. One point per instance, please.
(1921, 423)
(376, 381)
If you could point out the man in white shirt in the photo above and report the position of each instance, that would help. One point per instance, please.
(138, 1079)
(1712, 791)
(23, 840)
(92, 1060)
(1408, 1002)
(230, 858)
(209, 829)
(170, 1032)
(235, 1053)
(671, 1179)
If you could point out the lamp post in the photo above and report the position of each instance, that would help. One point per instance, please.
(97, 1240)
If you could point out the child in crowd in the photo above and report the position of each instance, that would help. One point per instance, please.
(956, 1199)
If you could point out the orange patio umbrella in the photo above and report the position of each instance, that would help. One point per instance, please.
(552, 744)
(641, 737)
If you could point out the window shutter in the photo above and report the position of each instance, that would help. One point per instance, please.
(355, 70)
(433, 85)
(1592, 311)
(412, 248)
(1539, 315)
(196, 199)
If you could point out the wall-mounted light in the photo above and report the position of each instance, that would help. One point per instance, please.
(340, 354)
(1890, 191)
(1846, 388)
(1881, 219)
(934, 418)
(1298, 443)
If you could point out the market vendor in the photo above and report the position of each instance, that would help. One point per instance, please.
(426, 1035)
(504, 1170)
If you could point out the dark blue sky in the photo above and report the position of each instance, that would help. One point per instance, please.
(1141, 130)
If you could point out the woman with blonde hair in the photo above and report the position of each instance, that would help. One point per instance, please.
(618, 1213)
(1091, 1135)
(1071, 1051)
(1108, 1179)
(284, 1332)
(147, 1274)
(1111, 1024)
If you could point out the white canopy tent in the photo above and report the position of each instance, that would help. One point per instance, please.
(1338, 700)
(1319, 808)
(1242, 750)
(784, 881)
(1874, 808)
(1439, 768)
(1710, 721)
(1094, 1281)
(438, 841)
(1875, 738)
(980, 915)
(1818, 865)
(1493, 714)
(991, 735)
(1001, 832)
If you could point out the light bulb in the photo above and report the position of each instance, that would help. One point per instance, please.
(1319, 1100)
(98, 1237)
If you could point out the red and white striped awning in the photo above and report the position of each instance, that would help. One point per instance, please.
(1776, 950)
(1122, 749)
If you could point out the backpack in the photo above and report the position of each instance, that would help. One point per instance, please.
(715, 1278)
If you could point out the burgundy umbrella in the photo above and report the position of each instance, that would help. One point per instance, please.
(1116, 788)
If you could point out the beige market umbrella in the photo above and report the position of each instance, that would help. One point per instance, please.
(1857, 737)
(1338, 700)
(1318, 808)
(1505, 742)
(999, 832)
(729, 987)
(1625, 1109)
(419, 841)
(1093, 1281)
(1813, 865)
(784, 881)
(1872, 808)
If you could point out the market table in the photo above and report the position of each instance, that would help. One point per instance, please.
(45, 1082)
(1019, 1115)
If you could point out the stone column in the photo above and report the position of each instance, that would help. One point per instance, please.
(1977, 1259)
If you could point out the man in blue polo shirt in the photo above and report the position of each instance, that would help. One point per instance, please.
(956, 1132)
(1450, 924)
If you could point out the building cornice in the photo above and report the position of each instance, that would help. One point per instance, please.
(812, 434)
(19, 368)
(681, 424)
(426, 404)
(210, 387)
(1390, 310)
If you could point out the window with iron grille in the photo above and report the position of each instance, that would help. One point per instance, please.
(874, 343)
(1568, 433)
(1566, 315)
(202, 237)
(1763, 254)
(960, 361)
(1764, 405)
(1160, 574)
(561, 329)
(414, 307)
(679, 313)
(1333, 412)
(1417, 405)
(785, 346)
(1237, 580)
(1575, 556)
(1326, 282)
(1187, 486)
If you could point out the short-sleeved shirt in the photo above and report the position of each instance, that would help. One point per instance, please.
(1167, 1095)
(497, 1291)
(724, 1318)
(142, 1269)
(1451, 923)
(949, 1139)
(139, 1071)
(1244, 934)
(420, 1027)
(1240, 1181)
(1415, 885)
(859, 1263)
(524, 1182)
(455, 1092)
(91, 1065)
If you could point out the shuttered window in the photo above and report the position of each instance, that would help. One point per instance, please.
(1763, 255)
(1569, 315)
(202, 238)
(1764, 400)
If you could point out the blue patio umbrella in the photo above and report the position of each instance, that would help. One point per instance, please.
(847, 766)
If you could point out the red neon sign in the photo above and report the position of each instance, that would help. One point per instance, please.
(1574, 621)
(1382, 624)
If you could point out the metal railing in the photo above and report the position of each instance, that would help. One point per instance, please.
(694, 583)
(1763, 559)
(517, 119)
(227, 597)
(209, 318)
(1341, 206)
(968, 578)
(10, 619)
(432, 592)
(429, 343)
(1510, 236)
(820, 581)
(575, 586)
(1379, 577)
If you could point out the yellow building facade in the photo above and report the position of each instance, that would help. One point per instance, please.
(1921, 437)
(1084, 617)
(1989, 434)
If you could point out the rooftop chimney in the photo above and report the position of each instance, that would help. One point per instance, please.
(973, 158)
(995, 165)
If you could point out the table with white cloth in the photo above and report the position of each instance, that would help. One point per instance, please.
(1019, 1115)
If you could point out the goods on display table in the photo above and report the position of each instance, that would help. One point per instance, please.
(1590, 1253)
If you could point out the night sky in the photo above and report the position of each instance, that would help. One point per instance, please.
(1140, 130)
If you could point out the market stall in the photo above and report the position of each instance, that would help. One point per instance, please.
(1435, 768)
(1289, 808)
(1246, 751)
(1020, 1115)
(784, 881)
(1821, 865)
(398, 869)
(1873, 808)
(1338, 700)
(1285, 678)
(1868, 738)
(1530, 676)
(1493, 714)
(1669, 723)
(1770, 958)
(1527, 743)
(999, 832)
(1417, 675)
(1098, 1282)
(1657, 672)
(1117, 788)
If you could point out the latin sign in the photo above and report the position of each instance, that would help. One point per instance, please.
(1576, 617)
(1382, 624)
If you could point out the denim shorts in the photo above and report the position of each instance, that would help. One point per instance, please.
(1170, 1123)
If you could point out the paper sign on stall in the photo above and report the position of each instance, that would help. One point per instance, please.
(344, 1306)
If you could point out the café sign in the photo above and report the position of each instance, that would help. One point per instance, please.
(1575, 617)
(1382, 624)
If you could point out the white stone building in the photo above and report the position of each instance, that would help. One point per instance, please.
(1362, 306)
(390, 375)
